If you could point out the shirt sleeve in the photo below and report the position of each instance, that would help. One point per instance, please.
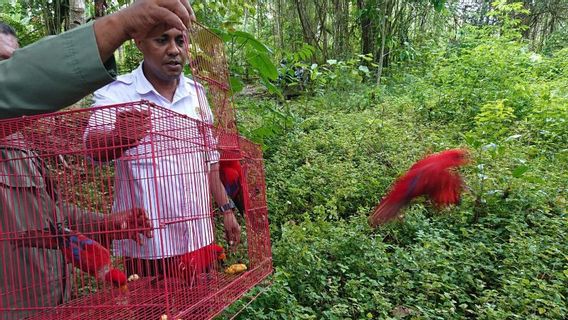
(53, 73)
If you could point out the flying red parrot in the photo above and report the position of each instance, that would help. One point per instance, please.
(231, 174)
(433, 176)
(200, 261)
(83, 252)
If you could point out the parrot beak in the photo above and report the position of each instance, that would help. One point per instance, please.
(123, 289)
(221, 259)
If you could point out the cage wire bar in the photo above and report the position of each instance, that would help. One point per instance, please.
(61, 196)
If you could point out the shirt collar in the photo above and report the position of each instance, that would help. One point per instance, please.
(143, 86)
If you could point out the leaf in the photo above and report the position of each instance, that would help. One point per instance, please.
(364, 69)
(237, 84)
(251, 41)
(222, 34)
(438, 4)
(262, 63)
(513, 137)
(520, 170)
(489, 146)
(272, 88)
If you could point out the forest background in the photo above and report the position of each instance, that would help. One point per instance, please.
(344, 95)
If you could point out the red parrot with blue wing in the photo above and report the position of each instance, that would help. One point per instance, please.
(81, 251)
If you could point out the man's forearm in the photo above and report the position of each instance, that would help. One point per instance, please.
(52, 73)
(109, 35)
(217, 188)
(106, 146)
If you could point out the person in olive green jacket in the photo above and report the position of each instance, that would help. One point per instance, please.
(57, 71)
(43, 77)
(33, 277)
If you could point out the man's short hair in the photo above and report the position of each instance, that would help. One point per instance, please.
(7, 29)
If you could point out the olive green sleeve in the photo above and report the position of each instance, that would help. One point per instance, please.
(52, 73)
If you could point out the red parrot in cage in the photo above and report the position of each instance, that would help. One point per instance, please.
(432, 176)
(81, 251)
(231, 174)
(200, 261)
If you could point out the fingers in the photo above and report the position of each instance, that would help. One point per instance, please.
(182, 9)
(233, 235)
(146, 223)
(169, 20)
(138, 219)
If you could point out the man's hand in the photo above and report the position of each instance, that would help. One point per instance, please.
(140, 19)
(132, 125)
(129, 224)
(232, 229)
(146, 17)
(34, 239)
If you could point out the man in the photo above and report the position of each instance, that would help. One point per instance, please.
(34, 277)
(58, 71)
(8, 41)
(180, 191)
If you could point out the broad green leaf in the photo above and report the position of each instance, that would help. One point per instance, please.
(262, 63)
(251, 40)
(222, 34)
(438, 4)
(236, 84)
(364, 69)
(271, 88)
(520, 170)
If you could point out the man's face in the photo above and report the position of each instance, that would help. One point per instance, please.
(164, 55)
(8, 44)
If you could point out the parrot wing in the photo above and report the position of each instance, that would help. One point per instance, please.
(430, 176)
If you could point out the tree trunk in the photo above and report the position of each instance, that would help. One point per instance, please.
(76, 13)
(383, 36)
(308, 32)
(367, 29)
(341, 28)
(100, 8)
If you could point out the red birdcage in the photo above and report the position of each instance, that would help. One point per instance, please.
(65, 202)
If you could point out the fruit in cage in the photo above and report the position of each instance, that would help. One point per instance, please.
(133, 277)
(432, 177)
(236, 268)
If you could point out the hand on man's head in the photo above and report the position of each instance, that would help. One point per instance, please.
(146, 17)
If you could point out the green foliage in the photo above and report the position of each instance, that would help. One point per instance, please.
(507, 13)
(266, 122)
(28, 28)
(294, 71)
(494, 119)
(300, 77)
(255, 55)
(438, 4)
(481, 71)
(501, 254)
(445, 269)
(129, 57)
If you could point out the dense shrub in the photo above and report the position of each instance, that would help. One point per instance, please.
(500, 254)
